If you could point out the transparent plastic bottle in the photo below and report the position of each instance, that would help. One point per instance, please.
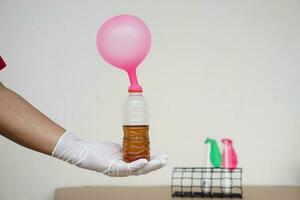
(136, 143)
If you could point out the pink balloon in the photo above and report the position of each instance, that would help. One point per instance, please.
(229, 155)
(124, 41)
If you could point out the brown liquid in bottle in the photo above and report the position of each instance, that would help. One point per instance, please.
(136, 143)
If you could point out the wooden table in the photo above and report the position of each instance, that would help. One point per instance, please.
(163, 193)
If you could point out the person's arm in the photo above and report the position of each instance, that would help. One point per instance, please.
(25, 125)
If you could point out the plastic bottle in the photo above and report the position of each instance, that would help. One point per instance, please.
(136, 143)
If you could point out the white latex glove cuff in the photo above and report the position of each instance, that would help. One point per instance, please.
(104, 157)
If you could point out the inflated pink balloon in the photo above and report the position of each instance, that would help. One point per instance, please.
(124, 41)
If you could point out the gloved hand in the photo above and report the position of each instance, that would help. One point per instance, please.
(104, 157)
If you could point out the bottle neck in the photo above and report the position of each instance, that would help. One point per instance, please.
(135, 93)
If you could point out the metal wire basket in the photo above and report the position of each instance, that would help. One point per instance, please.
(206, 182)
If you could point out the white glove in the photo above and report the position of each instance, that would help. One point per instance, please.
(104, 157)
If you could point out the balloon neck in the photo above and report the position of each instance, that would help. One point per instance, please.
(134, 85)
(227, 141)
(208, 141)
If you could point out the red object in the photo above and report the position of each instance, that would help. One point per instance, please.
(2, 63)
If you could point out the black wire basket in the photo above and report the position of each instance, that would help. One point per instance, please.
(206, 182)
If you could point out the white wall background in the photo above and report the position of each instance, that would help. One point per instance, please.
(216, 68)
